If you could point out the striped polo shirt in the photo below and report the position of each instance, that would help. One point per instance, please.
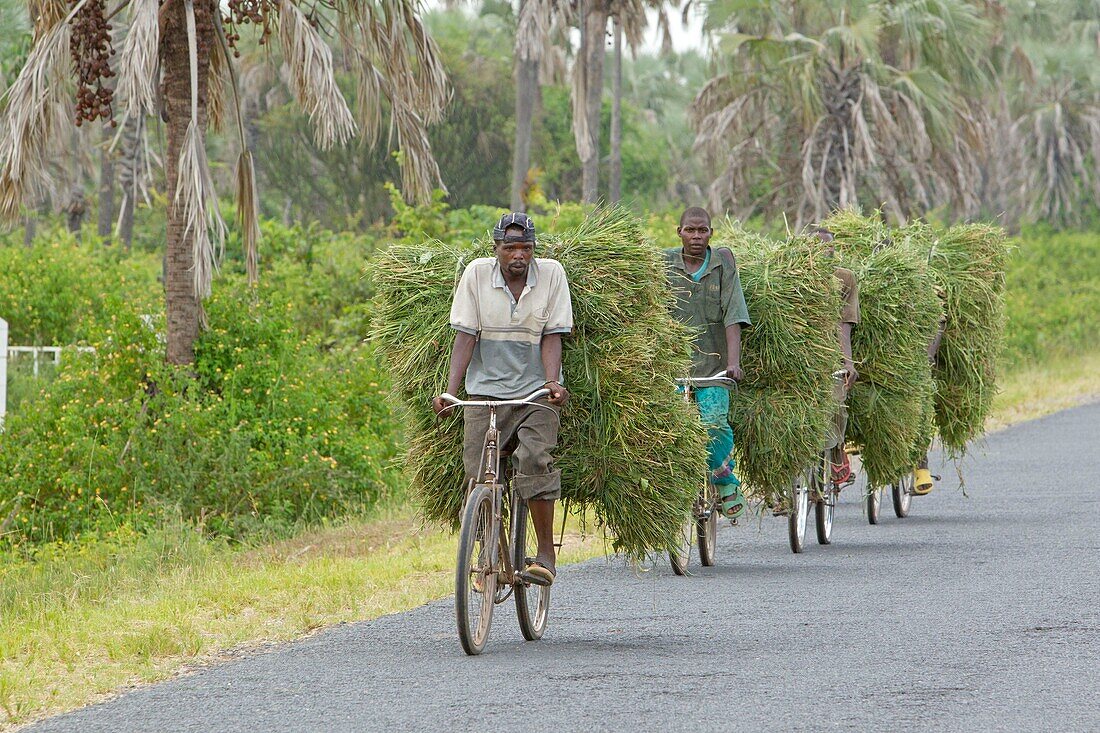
(507, 359)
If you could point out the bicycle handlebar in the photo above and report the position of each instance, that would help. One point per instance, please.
(720, 377)
(528, 400)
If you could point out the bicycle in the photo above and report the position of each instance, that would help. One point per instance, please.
(703, 523)
(815, 484)
(495, 543)
(901, 493)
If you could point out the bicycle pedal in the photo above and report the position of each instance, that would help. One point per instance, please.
(937, 478)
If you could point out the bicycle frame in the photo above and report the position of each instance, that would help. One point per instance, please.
(489, 474)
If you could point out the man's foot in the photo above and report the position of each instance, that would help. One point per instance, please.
(733, 502)
(842, 472)
(538, 572)
(922, 481)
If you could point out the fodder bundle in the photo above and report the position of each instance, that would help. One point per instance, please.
(782, 411)
(630, 448)
(890, 406)
(968, 264)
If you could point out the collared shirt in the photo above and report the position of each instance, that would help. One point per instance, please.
(507, 358)
(708, 300)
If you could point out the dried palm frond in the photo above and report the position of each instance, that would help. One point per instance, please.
(248, 216)
(195, 199)
(394, 58)
(36, 110)
(46, 14)
(217, 84)
(138, 62)
(312, 77)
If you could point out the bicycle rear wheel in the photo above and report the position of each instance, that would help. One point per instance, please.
(680, 555)
(902, 491)
(476, 570)
(532, 601)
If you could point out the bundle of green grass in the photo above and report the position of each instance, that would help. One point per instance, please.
(782, 411)
(890, 407)
(968, 264)
(630, 448)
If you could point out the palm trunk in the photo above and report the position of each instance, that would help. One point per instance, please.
(106, 219)
(527, 88)
(595, 22)
(130, 176)
(527, 81)
(615, 172)
(183, 307)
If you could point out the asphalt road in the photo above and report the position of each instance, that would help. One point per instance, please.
(975, 613)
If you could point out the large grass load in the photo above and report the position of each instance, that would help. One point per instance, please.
(782, 411)
(968, 262)
(630, 448)
(890, 406)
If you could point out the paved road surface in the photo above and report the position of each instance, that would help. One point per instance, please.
(979, 613)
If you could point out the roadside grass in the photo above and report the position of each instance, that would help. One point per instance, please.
(83, 622)
(1032, 391)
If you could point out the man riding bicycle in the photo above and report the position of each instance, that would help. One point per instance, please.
(509, 314)
(709, 299)
(849, 318)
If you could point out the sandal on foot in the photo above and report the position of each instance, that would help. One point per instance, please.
(733, 502)
(537, 573)
(922, 481)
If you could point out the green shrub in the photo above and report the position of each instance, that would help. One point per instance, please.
(1052, 295)
(265, 432)
(52, 293)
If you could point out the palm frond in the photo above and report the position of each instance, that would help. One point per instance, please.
(312, 78)
(138, 61)
(37, 109)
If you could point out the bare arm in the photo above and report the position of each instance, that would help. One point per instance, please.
(850, 374)
(461, 354)
(733, 355)
(551, 366)
(934, 344)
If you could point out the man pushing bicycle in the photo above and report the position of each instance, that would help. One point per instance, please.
(509, 314)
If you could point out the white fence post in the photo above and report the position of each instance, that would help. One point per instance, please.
(3, 371)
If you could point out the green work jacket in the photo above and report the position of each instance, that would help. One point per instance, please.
(707, 305)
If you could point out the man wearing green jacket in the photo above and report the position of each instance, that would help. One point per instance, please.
(710, 300)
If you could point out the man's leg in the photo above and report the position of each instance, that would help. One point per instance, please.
(714, 408)
(538, 482)
(842, 467)
(475, 421)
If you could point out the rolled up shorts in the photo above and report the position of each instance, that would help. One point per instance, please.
(530, 433)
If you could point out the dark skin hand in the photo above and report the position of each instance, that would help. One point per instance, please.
(695, 234)
(850, 374)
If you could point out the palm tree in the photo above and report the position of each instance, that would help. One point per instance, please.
(825, 104)
(175, 62)
(540, 33)
(1047, 130)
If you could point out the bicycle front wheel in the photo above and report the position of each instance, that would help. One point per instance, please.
(873, 500)
(476, 571)
(532, 601)
(799, 512)
(826, 495)
(706, 525)
(903, 495)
